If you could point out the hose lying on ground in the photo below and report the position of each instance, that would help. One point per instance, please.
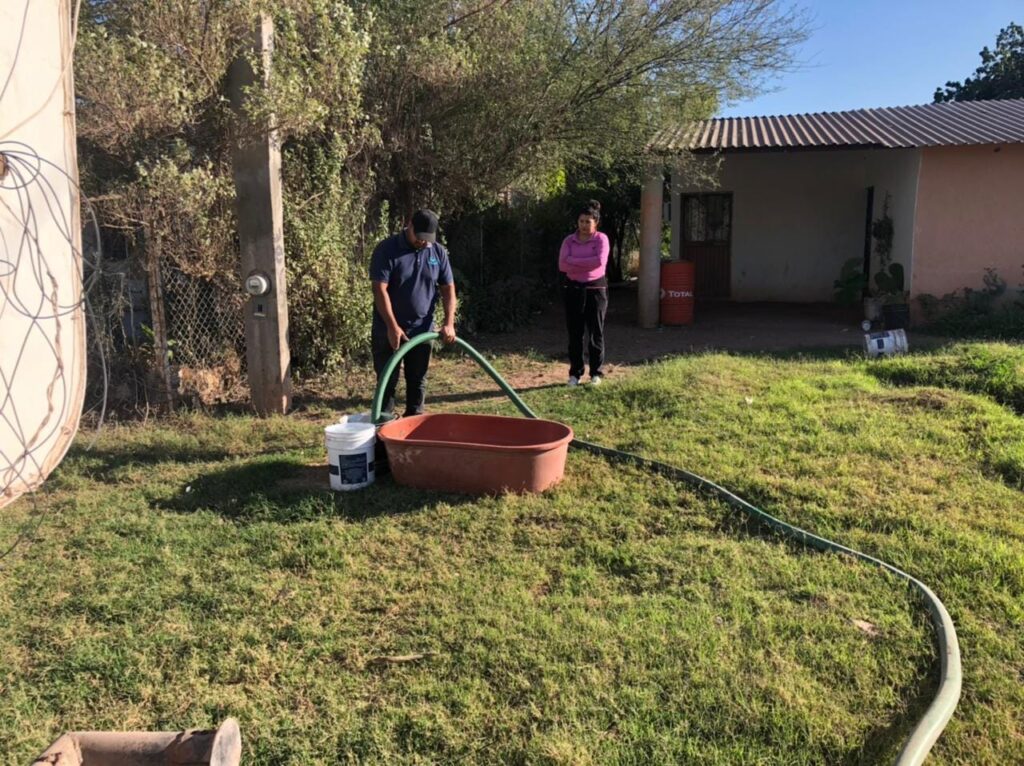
(931, 725)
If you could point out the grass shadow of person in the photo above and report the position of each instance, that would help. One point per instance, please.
(283, 491)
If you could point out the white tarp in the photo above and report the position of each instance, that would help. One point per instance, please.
(42, 325)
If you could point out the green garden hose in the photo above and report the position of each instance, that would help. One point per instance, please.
(931, 725)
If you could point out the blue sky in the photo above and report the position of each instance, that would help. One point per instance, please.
(869, 53)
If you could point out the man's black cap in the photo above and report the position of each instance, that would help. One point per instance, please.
(424, 225)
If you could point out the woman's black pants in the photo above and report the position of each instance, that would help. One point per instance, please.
(584, 317)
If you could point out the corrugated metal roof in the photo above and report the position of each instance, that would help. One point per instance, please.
(958, 123)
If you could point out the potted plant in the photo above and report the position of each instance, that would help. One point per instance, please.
(895, 299)
(851, 283)
(890, 280)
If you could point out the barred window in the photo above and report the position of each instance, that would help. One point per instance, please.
(707, 218)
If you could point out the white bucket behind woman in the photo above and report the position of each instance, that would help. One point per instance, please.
(350, 454)
(886, 343)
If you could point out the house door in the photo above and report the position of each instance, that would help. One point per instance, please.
(707, 232)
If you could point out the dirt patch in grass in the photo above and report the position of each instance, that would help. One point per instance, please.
(934, 400)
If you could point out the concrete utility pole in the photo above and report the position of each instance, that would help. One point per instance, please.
(649, 282)
(257, 171)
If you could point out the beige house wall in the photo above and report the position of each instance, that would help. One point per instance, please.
(895, 172)
(799, 216)
(970, 215)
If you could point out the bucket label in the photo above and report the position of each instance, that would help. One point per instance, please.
(354, 469)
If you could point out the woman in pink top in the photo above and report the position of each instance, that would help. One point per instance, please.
(583, 260)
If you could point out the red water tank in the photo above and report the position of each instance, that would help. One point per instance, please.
(677, 292)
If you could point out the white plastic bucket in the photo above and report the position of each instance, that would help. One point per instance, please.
(350, 455)
(886, 343)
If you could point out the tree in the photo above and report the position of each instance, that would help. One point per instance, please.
(471, 102)
(155, 133)
(1001, 74)
(615, 186)
(382, 105)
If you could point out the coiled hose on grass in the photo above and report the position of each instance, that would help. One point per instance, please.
(931, 725)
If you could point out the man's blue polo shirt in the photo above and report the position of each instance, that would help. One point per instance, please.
(412, 277)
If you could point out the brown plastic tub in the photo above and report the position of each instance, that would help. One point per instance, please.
(476, 454)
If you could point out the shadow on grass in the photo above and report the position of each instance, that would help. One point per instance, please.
(280, 491)
(104, 464)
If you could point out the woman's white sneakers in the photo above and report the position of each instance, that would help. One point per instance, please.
(595, 380)
(573, 381)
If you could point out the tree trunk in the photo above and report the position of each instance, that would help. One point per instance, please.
(614, 261)
(616, 241)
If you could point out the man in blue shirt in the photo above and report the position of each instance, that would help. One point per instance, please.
(408, 271)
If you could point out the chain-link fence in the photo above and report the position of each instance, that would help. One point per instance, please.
(177, 341)
(204, 318)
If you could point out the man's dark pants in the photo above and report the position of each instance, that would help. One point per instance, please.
(584, 314)
(415, 363)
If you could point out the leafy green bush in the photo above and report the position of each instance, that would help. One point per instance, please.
(971, 313)
(851, 283)
(329, 296)
(505, 260)
(504, 304)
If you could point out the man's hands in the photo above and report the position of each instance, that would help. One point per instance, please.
(448, 297)
(448, 333)
(396, 336)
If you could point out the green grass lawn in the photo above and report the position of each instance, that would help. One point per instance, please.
(193, 569)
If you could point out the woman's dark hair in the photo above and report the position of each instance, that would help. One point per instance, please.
(591, 208)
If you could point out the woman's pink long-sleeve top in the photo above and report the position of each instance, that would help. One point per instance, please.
(584, 261)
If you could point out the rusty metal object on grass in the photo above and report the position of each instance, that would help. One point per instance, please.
(192, 747)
